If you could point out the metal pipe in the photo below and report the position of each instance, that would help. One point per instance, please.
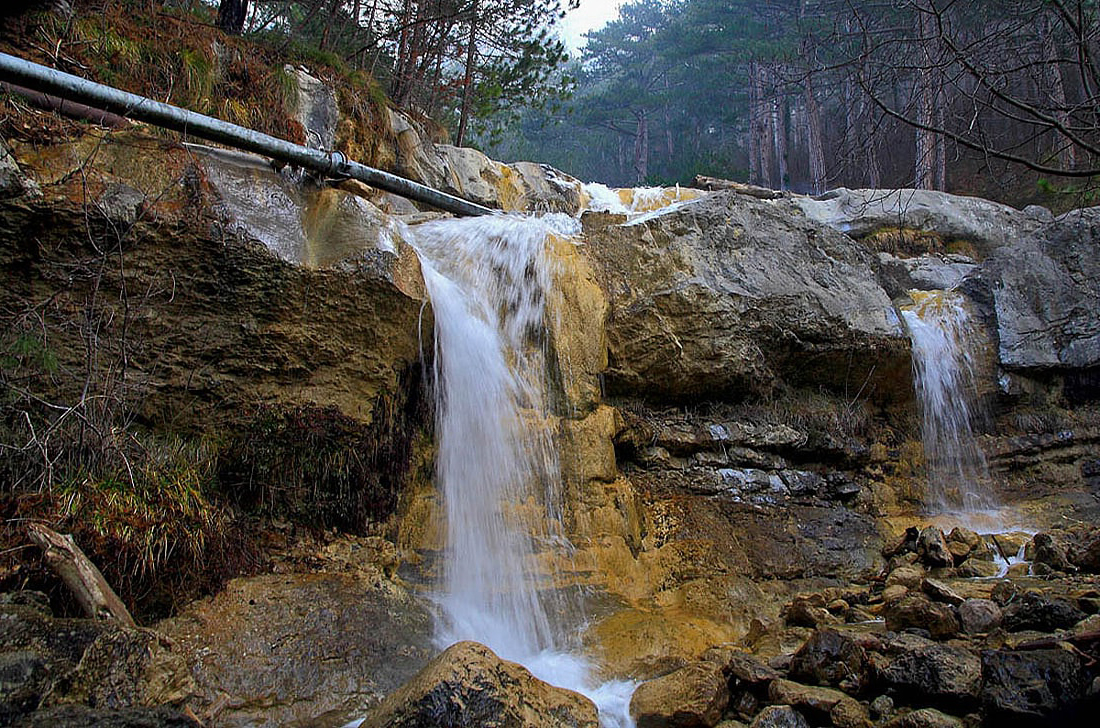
(333, 164)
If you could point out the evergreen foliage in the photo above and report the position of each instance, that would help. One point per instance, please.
(809, 95)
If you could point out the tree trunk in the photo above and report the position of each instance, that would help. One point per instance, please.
(468, 79)
(757, 127)
(231, 15)
(779, 139)
(814, 144)
(1056, 88)
(641, 147)
(924, 160)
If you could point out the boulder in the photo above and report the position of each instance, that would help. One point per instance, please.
(831, 658)
(1084, 553)
(1035, 611)
(808, 611)
(1044, 289)
(1032, 686)
(13, 183)
(932, 548)
(918, 611)
(926, 672)
(53, 667)
(742, 669)
(978, 568)
(723, 296)
(316, 108)
(964, 536)
(940, 592)
(930, 272)
(987, 225)
(779, 716)
(911, 577)
(695, 696)
(468, 685)
(279, 649)
(978, 616)
(924, 718)
(819, 704)
(1050, 553)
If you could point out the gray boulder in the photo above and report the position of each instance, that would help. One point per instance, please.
(933, 673)
(1044, 290)
(316, 108)
(987, 225)
(727, 295)
(779, 716)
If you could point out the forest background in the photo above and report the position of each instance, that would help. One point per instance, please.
(996, 98)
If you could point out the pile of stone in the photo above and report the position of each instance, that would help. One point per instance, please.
(923, 645)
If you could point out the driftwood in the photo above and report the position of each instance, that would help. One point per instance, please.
(80, 575)
(712, 184)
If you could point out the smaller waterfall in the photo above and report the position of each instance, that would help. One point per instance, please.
(943, 373)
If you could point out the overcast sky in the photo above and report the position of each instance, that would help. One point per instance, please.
(591, 15)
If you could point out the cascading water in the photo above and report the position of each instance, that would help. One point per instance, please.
(489, 279)
(943, 371)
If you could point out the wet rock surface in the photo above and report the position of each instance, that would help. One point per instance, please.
(66, 671)
(468, 685)
(319, 648)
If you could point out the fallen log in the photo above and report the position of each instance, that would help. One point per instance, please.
(80, 575)
(713, 184)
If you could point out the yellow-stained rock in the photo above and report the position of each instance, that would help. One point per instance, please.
(577, 315)
(643, 644)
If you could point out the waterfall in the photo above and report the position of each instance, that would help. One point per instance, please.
(489, 279)
(942, 336)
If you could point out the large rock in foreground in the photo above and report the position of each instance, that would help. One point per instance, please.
(303, 649)
(694, 695)
(467, 685)
(727, 295)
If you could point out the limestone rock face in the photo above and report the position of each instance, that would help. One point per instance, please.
(221, 321)
(316, 108)
(726, 295)
(467, 685)
(469, 174)
(859, 213)
(695, 696)
(1045, 292)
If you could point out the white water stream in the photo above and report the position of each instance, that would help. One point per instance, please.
(489, 280)
(942, 338)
